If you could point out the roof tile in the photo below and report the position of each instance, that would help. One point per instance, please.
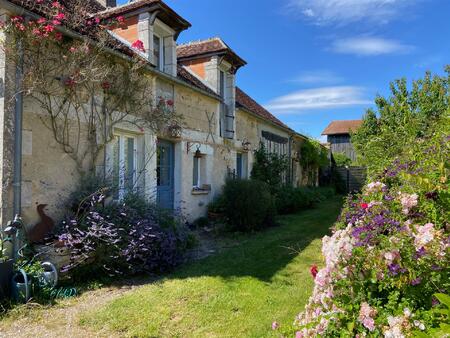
(342, 127)
(245, 101)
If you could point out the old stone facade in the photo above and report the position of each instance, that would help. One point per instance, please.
(222, 125)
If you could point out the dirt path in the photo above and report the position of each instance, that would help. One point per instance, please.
(62, 320)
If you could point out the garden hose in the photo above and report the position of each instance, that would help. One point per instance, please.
(63, 292)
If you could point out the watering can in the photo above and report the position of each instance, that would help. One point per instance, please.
(21, 285)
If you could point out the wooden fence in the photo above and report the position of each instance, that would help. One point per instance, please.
(353, 177)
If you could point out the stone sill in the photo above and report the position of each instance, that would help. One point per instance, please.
(200, 192)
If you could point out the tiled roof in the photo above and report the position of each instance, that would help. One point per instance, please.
(128, 7)
(205, 47)
(187, 77)
(167, 14)
(201, 47)
(246, 102)
(342, 127)
(43, 8)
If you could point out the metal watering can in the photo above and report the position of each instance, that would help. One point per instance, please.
(21, 286)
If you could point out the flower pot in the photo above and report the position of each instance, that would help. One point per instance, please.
(54, 253)
(6, 272)
(214, 216)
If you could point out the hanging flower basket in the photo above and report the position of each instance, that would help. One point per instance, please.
(175, 130)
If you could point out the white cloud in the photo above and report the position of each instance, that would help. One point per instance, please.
(319, 98)
(369, 46)
(317, 77)
(348, 11)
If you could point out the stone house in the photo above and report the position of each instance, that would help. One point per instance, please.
(338, 136)
(222, 125)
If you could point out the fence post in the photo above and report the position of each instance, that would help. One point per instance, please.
(348, 178)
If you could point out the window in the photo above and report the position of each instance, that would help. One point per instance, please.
(196, 174)
(124, 164)
(274, 143)
(158, 52)
(241, 166)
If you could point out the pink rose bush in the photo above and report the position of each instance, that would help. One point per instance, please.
(388, 254)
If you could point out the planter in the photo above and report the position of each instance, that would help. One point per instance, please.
(6, 272)
(214, 216)
(55, 254)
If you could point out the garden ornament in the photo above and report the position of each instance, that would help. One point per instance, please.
(43, 228)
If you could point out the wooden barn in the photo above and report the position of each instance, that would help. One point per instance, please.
(338, 136)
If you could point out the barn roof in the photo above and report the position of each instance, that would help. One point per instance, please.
(342, 127)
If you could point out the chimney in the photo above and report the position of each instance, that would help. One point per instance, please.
(108, 3)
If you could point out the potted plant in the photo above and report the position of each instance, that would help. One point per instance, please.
(216, 209)
(6, 272)
(175, 130)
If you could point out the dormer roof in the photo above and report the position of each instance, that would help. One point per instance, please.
(164, 13)
(209, 47)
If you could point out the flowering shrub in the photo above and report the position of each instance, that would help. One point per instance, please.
(388, 254)
(130, 237)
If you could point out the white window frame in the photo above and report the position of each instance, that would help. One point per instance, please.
(199, 171)
(161, 63)
(121, 139)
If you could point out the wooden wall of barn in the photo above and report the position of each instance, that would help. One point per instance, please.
(342, 144)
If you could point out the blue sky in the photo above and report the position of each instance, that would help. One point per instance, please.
(314, 61)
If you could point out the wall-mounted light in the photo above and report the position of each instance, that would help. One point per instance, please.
(198, 154)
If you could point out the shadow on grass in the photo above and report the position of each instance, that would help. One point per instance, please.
(260, 255)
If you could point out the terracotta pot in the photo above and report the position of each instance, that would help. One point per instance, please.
(214, 216)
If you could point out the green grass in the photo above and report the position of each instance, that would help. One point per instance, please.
(236, 293)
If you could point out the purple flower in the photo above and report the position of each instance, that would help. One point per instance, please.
(416, 281)
(394, 269)
(420, 253)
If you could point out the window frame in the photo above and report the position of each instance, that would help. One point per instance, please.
(161, 57)
(196, 185)
(121, 187)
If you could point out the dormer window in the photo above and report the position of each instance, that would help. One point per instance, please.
(158, 52)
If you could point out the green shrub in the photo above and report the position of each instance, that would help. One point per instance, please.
(269, 168)
(217, 206)
(292, 200)
(341, 159)
(248, 205)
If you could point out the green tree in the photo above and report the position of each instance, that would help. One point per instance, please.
(406, 116)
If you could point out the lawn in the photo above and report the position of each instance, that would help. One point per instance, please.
(236, 293)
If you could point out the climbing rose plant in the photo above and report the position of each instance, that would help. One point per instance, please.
(84, 87)
(388, 256)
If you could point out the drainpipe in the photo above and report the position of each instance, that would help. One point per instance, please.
(290, 160)
(13, 230)
(18, 117)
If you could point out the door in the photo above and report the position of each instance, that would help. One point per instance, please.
(165, 175)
